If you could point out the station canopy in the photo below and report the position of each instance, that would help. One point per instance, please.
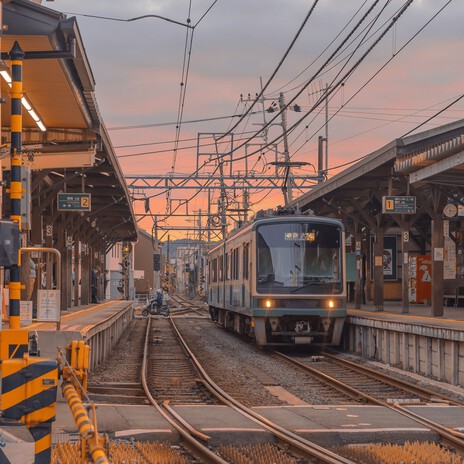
(72, 152)
(428, 166)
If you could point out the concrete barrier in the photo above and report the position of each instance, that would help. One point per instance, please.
(434, 352)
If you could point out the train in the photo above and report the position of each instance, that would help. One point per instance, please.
(281, 279)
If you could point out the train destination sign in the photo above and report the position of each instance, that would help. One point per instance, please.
(399, 205)
(74, 202)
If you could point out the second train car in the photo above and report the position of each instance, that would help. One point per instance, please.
(281, 279)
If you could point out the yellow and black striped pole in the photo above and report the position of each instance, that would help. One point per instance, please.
(29, 387)
(15, 190)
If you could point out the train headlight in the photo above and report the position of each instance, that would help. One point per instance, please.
(331, 303)
(266, 303)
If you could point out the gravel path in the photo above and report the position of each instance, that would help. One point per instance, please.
(125, 362)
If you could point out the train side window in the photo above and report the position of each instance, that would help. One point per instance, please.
(214, 270)
(232, 264)
(221, 268)
(246, 254)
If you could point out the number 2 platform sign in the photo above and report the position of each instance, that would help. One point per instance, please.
(74, 202)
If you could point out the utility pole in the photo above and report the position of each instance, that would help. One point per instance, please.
(246, 205)
(326, 129)
(200, 261)
(323, 164)
(157, 259)
(288, 185)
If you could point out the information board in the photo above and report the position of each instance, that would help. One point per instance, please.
(399, 205)
(74, 202)
(48, 305)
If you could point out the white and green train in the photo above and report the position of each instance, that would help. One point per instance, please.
(281, 280)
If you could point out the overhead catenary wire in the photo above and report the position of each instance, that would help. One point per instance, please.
(332, 89)
(263, 89)
(383, 67)
(350, 99)
(281, 89)
(348, 73)
(322, 67)
(269, 123)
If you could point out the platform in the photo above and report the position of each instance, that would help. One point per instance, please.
(417, 342)
(417, 313)
(324, 425)
(99, 325)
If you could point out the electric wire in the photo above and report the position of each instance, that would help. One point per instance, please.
(160, 124)
(205, 13)
(383, 66)
(263, 89)
(444, 109)
(108, 18)
(183, 90)
(322, 67)
(331, 89)
(313, 77)
(399, 14)
(321, 53)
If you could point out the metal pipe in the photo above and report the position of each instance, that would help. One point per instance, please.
(81, 418)
(84, 424)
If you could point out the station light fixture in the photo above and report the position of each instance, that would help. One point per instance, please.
(25, 102)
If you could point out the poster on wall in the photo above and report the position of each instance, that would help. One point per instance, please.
(388, 259)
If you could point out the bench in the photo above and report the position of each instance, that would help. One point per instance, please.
(453, 292)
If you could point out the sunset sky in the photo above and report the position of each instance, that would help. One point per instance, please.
(139, 66)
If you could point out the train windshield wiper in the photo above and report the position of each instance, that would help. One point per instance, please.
(312, 281)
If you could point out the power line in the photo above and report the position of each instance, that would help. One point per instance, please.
(160, 124)
(431, 117)
(321, 53)
(381, 68)
(108, 18)
(263, 89)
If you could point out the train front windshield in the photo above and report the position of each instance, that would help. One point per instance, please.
(299, 258)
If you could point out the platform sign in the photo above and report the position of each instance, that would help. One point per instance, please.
(48, 305)
(74, 202)
(399, 205)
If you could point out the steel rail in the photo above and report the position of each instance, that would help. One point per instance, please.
(295, 441)
(452, 437)
(404, 385)
(198, 446)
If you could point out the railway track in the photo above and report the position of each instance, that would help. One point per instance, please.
(171, 376)
(287, 439)
(174, 377)
(373, 387)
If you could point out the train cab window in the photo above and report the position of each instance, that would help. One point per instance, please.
(299, 257)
